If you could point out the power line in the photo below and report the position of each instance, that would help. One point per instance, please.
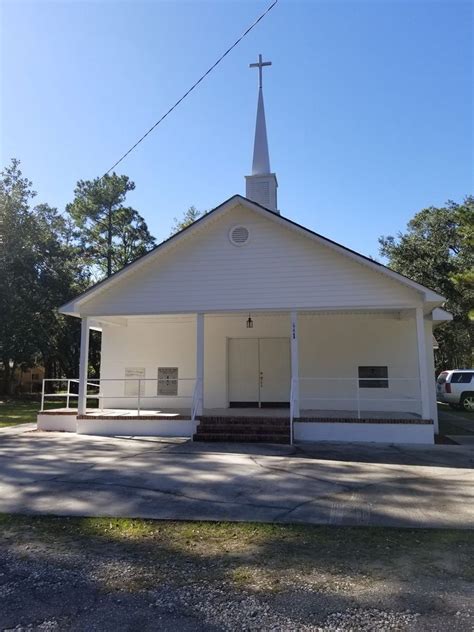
(192, 87)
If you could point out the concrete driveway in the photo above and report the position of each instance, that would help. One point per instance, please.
(459, 422)
(343, 484)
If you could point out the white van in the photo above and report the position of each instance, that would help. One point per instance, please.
(456, 388)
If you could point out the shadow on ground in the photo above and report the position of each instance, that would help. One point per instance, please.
(65, 474)
(106, 574)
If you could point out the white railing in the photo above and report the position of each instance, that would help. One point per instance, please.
(197, 399)
(62, 393)
(138, 397)
(353, 392)
(293, 404)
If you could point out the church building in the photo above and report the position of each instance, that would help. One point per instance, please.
(246, 326)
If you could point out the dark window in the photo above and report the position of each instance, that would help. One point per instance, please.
(461, 378)
(373, 377)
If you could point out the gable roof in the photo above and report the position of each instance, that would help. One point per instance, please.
(71, 306)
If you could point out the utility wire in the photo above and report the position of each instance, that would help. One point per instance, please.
(192, 87)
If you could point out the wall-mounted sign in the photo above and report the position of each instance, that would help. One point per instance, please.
(132, 375)
(167, 380)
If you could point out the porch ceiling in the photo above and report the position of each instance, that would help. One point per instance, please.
(402, 312)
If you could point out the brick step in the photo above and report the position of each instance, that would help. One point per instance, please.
(227, 433)
(270, 423)
(244, 427)
(242, 438)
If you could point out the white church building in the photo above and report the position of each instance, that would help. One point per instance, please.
(246, 326)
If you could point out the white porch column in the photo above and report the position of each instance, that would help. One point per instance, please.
(421, 344)
(200, 361)
(83, 367)
(295, 372)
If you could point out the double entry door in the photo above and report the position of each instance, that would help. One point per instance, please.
(259, 372)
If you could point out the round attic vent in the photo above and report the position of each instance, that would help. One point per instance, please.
(239, 235)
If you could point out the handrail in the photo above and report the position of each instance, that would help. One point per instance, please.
(292, 407)
(357, 397)
(364, 379)
(96, 383)
(196, 399)
(135, 379)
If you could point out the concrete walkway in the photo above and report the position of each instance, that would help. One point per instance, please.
(343, 484)
(462, 420)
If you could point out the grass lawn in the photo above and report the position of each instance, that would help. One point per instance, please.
(22, 411)
(118, 574)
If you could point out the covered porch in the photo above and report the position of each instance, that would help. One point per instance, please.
(364, 367)
(264, 413)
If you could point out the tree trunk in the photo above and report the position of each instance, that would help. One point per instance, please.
(7, 377)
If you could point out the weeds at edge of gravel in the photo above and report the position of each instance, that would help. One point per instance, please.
(279, 547)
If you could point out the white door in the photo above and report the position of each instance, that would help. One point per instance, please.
(275, 372)
(259, 371)
(243, 372)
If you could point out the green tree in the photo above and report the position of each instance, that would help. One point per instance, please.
(110, 234)
(17, 260)
(61, 275)
(188, 218)
(437, 251)
(38, 272)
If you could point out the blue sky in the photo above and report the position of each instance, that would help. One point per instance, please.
(369, 105)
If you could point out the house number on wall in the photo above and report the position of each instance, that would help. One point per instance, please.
(167, 381)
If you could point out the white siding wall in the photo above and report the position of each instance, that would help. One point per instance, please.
(430, 371)
(277, 269)
(330, 346)
(149, 345)
(336, 345)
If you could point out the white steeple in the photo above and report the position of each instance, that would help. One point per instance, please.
(261, 186)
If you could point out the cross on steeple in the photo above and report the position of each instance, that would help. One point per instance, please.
(260, 64)
(261, 186)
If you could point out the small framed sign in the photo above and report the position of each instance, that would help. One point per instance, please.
(167, 381)
(132, 375)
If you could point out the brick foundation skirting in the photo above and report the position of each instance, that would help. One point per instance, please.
(56, 412)
(324, 420)
(246, 420)
(134, 418)
(348, 420)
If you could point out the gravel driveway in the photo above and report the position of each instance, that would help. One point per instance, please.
(62, 575)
